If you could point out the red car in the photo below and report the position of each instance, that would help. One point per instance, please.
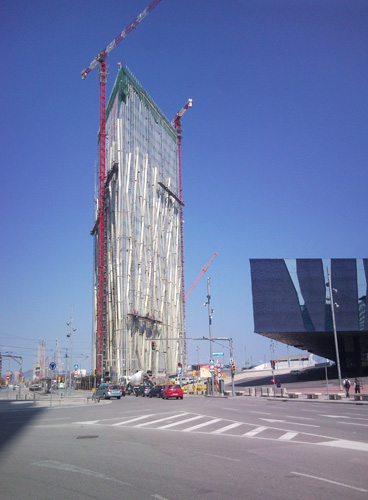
(172, 391)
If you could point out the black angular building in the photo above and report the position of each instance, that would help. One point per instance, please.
(291, 304)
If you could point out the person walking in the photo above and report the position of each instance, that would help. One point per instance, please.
(357, 386)
(347, 387)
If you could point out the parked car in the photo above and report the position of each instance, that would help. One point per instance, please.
(107, 391)
(122, 389)
(143, 390)
(156, 392)
(172, 391)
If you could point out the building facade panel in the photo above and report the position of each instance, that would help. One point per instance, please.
(275, 301)
(344, 280)
(313, 289)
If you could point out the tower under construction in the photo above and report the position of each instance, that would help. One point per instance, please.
(142, 275)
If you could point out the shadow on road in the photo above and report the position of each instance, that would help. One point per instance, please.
(14, 418)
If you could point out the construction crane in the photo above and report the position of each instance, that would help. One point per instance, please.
(204, 269)
(177, 124)
(101, 60)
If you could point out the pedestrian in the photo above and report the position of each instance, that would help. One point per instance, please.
(357, 386)
(347, 387)
(278, 383)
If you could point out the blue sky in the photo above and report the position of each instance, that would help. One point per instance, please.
(274, 149)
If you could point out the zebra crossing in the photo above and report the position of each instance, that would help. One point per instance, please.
(191, 423)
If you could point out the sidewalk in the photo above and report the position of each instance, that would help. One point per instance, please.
(305, 394)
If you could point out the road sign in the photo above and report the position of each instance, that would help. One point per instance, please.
(179, 371)
(231, 361)
(217, 354)
(52, 366)
(218, 365)
(76, 366)
(211, 361)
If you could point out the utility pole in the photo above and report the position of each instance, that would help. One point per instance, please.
(210, 312)
(330, 298)
(232, 374)
(70, 335)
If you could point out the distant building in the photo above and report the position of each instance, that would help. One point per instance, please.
(290, 305)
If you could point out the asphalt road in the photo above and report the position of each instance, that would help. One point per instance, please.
(198, 448)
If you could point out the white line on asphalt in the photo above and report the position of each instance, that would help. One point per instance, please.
(301, 418)
(288, 435)
(88, 422)
(53, 464)
(161, 419)
(202, 425)
(290, 423)
(330, 481)
(159, 497)
(353, 423)
(180, 422)
(217, 456)
(346, 444)
(227, 428)
(261, 412)
(345, 416)
(132, 420)
(255, 431)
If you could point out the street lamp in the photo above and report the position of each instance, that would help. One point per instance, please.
(333, 305)
(70, 335)
(210, 312)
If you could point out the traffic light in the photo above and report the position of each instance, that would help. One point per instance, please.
(95, 372)
(153, 345)
(22, 380)
(233, 369)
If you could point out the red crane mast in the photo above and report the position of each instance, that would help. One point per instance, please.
(101, 59)
(204, 269)
(177, 124)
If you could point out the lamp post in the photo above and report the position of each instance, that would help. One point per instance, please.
(70, 335)
(330, 298)
(210, 312)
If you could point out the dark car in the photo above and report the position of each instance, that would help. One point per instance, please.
(107, 391)
(156, 392)
(143, 390)
(35, 387)
(172, 391)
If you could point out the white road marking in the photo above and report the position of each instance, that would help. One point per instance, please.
(255, 431)
(226, 428)
(288, 435)
(132, 420)
(301, 418)
(159, 497)
(218, 456)
(345, 416)
(261, 412)
(291, 423)
(53, 464)
(180, 422)
(88, 422)
(353, 423)
(330, 481)
(161, 419)
(202, 425)
(346, 444)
